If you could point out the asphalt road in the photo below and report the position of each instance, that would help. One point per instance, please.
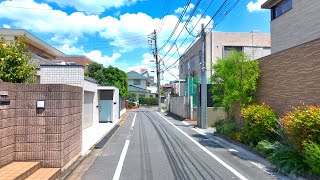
(149, 146)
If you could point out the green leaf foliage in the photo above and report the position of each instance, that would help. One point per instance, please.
(287, 159)
(132, 97)
(260, 123)
(235, 79)
(110, 76)
(14, 62)
(148, 101)
(312, 156)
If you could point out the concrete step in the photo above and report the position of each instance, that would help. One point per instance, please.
(45, 174)
(18, 170)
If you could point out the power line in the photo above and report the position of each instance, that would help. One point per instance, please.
(177, 25)
(224, 14)
(190, 16)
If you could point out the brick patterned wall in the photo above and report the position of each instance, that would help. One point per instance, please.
(7, 129)
(290, 77)
(45, 135)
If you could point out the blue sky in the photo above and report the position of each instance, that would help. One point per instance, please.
(114, 32)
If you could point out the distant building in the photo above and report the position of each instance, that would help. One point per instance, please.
(42, 52)
(293, 22)
(220, 45)
(137, 83)
(79, 60)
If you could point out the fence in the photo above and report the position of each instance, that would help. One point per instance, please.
(51, 135)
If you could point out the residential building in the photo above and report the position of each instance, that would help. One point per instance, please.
(42, 52)
(137, 83)
(293, 22)
(79, 60)
(219, 45)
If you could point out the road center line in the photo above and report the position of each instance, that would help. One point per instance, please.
(235, 172)
(116, 175)
(134, 120)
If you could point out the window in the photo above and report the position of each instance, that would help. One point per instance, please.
(137, 82)
(227, 50)
(281, 8)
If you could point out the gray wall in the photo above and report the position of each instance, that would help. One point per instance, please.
(178, 106)
(299, 25)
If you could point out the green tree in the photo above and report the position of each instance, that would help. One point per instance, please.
(234, 80)
(132, 96)
(14, 62)
(110, 76)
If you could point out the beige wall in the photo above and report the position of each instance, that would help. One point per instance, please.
(253, 43)
(214, 114)
(299, 25)
(254, 46)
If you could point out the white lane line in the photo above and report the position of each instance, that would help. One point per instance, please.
(185, 123)
(116, 175)
(197, 130)
(235, 172)
(134, 120)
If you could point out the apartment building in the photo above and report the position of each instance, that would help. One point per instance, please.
(293, 22)
(219, 45)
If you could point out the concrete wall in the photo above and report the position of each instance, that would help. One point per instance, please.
(51, 135)
(291, 77)
(214, 114)
(62, 74)
(178, 106)
(297, 26)
(253, 43)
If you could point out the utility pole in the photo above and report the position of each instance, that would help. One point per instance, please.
(153, 38)
(203, 71)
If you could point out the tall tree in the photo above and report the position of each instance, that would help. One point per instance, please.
(110, 76)
(14, 62)
(234, 80)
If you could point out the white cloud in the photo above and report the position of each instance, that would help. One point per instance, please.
(97, 56)
(93, 6)
(180, 9)
(255, 6)
(6, 26)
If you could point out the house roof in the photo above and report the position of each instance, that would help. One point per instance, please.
(135, 75)
(132, 88)
(33, 40)
(270, 3)
(167, 86)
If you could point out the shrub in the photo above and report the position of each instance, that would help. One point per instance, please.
(312, 156)
(288, 159)
(265, 147)
(131, 104)
(229, 128)
(302, 124)
(261, 123)
(148, 101)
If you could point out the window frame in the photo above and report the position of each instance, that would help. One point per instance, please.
(282, 3)
(137, 80)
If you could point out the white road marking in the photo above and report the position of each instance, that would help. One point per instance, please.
(134, 120)
(197, 130)
(116, 175)
(185, 123)
(235, 172)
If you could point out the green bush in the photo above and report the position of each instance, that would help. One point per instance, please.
(312, 156)
(261, 123)
(229, 128)
(265, 147)
(302, 124)
(131, 104)
(288, 159)
(148, 101)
